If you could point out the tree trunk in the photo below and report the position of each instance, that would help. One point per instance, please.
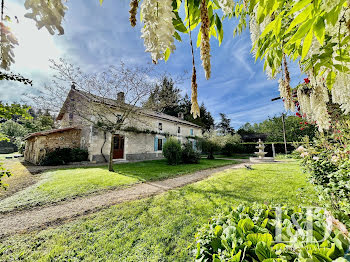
(210, 155)
(110, 162)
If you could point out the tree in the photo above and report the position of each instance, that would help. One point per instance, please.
(95, 107)
(205, 120)
(211, 143)
(224, 126)
(7, 112)
(165, 98)
(296, 129)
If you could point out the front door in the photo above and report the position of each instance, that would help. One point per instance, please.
(118, 152)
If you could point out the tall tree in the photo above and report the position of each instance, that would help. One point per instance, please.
(205, 120)
(165, 97)
(224, 126)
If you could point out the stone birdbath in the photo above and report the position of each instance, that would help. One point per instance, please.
(261, 154)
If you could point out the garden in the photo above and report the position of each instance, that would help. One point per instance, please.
(162, 228)
(294, 209)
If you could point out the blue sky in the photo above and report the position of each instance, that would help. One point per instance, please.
(98, 36)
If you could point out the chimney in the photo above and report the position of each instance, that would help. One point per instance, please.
(181, 115)
(121, 97)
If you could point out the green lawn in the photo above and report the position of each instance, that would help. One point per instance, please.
(62, 184)
(160, 228)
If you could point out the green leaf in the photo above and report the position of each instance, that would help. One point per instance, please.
(264, 252)
(178, 24)
(300, 18)
(256, 238)
(302, 31)
(268, 28)
(246, 224)
(298, 6)
(218, 231)
(307, 44)
(167, 54)
(319, 29)
(219, 28)
(199, 37)
(236, 257)
(277, 28)
(177, 36)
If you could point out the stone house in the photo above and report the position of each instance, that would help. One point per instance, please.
(141, 138)
(38, 144)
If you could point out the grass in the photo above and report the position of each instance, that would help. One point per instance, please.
(63, 184)
(160, 228)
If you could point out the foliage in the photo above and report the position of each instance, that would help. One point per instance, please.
(232, 144)
(62, 156)
(172, 151)
(3, 172)
(327, 159)
(211, 143)
(165, 97)
(13, 129)
(159, 228)
(15, 77)
(38, 123)
(189, 155)
(224, 126)
(252, 234)
(296, 129)
(62, 184)
(8, 111)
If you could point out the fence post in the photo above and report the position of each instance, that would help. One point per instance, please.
(273, 150)
(284, 133)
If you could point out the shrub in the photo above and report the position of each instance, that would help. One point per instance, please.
(62, 156)
(232, 148)
(189, 155)
(79, 155)
(327, 160)
(172, 151)
(252, 234)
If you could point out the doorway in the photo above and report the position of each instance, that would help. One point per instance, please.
(118, 147)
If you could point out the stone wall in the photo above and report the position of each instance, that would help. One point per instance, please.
(37, 147)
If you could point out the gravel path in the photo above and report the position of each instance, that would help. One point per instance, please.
(45, 216)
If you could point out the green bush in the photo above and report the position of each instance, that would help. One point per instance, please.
(62, 156)
(189, 155)
(232, 148)
(172, 151)
(327, 160)
(209, 146)
(79, 155)
(253, 234)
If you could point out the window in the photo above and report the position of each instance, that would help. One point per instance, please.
(178, 130)
(160, 126)
(191, 132)
(160, 144)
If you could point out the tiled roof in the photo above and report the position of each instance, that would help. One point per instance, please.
(48, 132)
(114, 103)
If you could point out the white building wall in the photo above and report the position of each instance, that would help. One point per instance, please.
(138, 146)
